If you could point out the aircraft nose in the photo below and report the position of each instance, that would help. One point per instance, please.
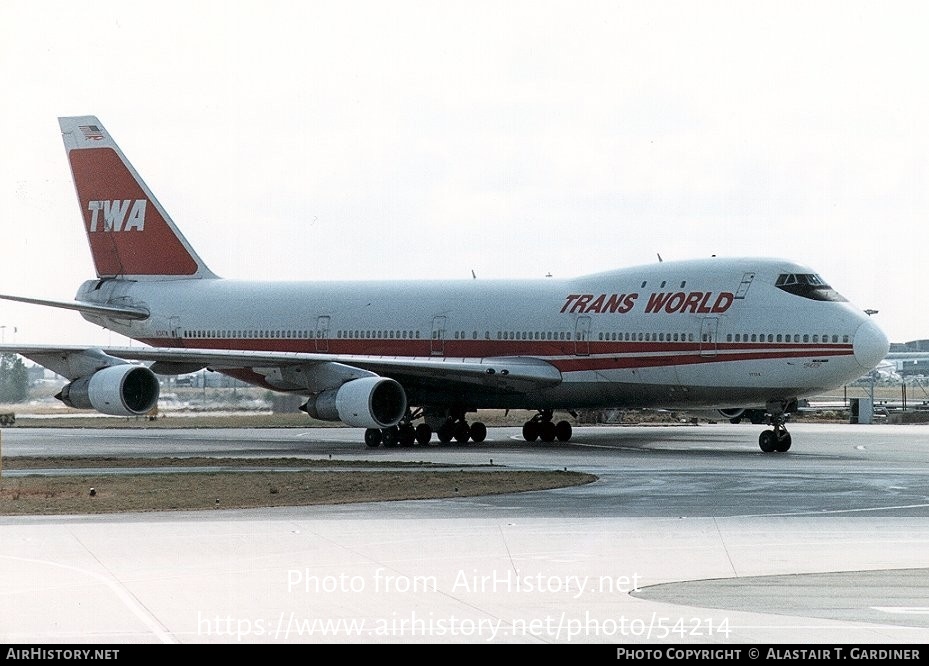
(871, 345)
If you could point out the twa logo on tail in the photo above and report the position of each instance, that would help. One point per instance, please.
(119, 215)
(114, 199)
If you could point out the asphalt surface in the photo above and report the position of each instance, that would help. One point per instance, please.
(692, 535)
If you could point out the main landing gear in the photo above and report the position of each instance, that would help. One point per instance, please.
(448, 425)
(461, 431)
(402, 434)
(542, 427)
(777, 439)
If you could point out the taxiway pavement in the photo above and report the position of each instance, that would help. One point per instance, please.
(692, 535)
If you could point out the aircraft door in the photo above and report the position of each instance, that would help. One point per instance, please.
(438, 335)
(582, 336)
(322, 333)
(174, 324)
(708, 330)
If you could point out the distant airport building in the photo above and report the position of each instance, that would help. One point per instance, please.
(914, 366)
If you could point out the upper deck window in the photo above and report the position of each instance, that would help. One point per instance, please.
(807, 285)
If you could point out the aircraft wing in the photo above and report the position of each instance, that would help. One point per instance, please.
(302, 372)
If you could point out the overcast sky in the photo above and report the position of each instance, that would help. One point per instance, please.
(393, 140)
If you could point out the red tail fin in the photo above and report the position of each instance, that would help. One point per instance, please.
(129, 232)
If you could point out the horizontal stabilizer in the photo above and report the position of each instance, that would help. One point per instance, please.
(113, 311)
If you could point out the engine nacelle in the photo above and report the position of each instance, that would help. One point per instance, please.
(119, 390)
(735, 415)
(369, 402)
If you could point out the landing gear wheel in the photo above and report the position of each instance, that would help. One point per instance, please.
(777, 439)
(462, 432)
(531, 431)
(767, 440)
(423, 434)
(406, 435)
(446, 432)
(547, 431)
(390, 436)
(563, 431)
(783, 444)
(478, 432)
(373, 437)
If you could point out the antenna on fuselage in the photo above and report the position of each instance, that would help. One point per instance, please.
(659, 257)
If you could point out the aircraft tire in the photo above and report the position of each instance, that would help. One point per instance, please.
(423, 434)
(530, 431)
(478, 432)
(373, 437)
(391, 436)
(767, 440)
(783, 445)
(461, 432)
(407, 435)
(446, 432)
(563, 431)
(548, 431)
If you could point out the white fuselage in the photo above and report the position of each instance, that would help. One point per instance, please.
(711, 333)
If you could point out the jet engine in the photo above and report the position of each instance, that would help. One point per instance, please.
(369, 402)
(733, 413)
(119, 390)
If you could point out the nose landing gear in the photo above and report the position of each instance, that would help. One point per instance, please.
(777, 439)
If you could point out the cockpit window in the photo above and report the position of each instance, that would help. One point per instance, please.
(807, 285)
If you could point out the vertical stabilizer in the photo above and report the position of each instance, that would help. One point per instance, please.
(129, 233)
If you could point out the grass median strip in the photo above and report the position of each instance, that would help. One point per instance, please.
(229, 488)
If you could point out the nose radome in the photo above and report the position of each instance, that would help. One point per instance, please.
(870, 345)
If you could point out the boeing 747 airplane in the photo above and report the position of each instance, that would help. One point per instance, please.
(728, 334)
